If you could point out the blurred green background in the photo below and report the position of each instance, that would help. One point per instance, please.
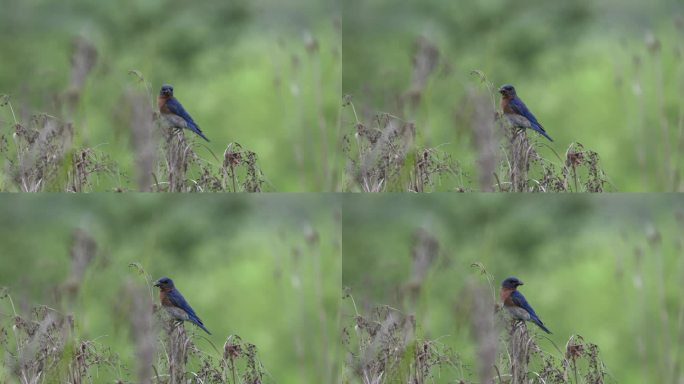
(263, 73)
(608, 74)
(606, 267)
(266, 268)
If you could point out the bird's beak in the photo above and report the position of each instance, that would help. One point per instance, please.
(501, 91)
(521, 283)
(156, 283)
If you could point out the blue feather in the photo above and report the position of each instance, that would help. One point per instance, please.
(518, 107)
(176, 108)
(179, 301)
(520, 301)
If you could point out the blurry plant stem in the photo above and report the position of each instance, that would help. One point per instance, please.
(640, 107)
(321, 311)
(178, 352)
(677, 172)
(665, 326)
(299, 293)
(484, 138)
(14, 311)
(298, 145)
(520, 151)
(232, 369)
(483, 331)
(498, 181)
(519, 353)
(322, 126)
(14, 117)
(677, 369)
(232, 175)
(677, 161)
(641, 339)
(143, 137)
(667, 182)
(574, 177)
(142, 331)
(335, 177)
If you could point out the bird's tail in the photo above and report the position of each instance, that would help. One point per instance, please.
(540, 324)
(196, 129)
(207, 331)
(542, 132)
(198, 323)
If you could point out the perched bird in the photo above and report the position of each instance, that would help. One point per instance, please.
(174, 303)
(517, 111)
(515, 303)
(174, 113)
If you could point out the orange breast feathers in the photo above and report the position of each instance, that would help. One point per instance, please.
(161, 104)
(506, 296)
(504, 104)
(163, 299)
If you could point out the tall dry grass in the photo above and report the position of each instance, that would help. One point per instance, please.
(382, 156)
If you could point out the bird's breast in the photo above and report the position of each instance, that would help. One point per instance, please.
(504, 104)
(505, 294)
(161, 104)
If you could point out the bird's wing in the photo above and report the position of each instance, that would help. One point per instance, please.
(177, 109)
(519, 300)
(520, 108)
(179, 301)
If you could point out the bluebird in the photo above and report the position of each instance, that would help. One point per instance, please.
(517, 111)
(174, 303)
(174, 113)
(515, 303)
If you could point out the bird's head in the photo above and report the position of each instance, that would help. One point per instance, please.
(511, 282)
(164, 283)
(507, 90)
(166, 90)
